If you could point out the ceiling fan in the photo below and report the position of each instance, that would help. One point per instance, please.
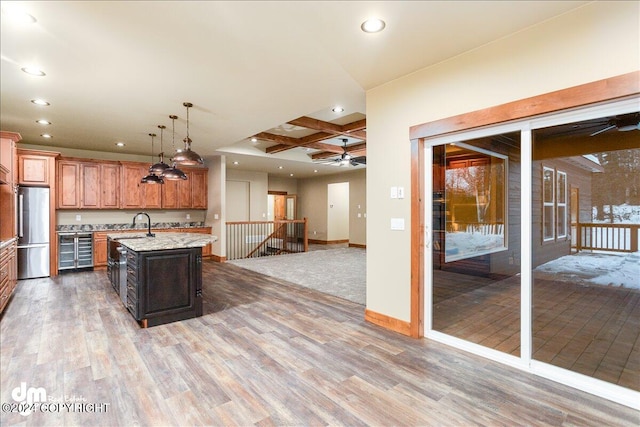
(345, 158)
(623, 123)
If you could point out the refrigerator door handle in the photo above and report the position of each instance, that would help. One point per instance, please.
(21, 216)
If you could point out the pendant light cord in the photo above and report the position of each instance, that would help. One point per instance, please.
(152, 135)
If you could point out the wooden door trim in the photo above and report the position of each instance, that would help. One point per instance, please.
(613, 88)
(577, 96)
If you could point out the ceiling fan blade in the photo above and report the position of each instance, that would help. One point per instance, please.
(361, 160)
(603, 130)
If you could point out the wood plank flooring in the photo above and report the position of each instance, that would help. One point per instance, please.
(265, 353)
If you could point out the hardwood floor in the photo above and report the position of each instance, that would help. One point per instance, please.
(264, 353)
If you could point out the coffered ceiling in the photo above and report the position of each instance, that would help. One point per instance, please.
(270, 70)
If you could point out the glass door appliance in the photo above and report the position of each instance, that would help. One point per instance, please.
(75, 250)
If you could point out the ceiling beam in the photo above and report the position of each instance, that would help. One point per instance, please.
(579, 145)
(354, 130)
(286, 142)
(327, 131)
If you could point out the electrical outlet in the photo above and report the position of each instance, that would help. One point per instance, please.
(188, 216)
(78, 218)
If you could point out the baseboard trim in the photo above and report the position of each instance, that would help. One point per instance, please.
(357, 245)
(327, 242)
(218, 258)
(387, 322)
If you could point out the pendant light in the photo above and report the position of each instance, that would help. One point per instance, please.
(152, 178)
(173, 173)
(161, 166)
(187, 157)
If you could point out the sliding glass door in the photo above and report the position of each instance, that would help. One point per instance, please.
(586, 266)
(476, 241)
(532, 234)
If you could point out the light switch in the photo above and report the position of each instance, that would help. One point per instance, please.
(397, 223)
(394, 192)
(400, 192)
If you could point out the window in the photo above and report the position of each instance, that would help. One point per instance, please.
(554, 199)
(561, 204)
(475, 201)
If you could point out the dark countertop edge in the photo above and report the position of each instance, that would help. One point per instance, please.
(5, 243)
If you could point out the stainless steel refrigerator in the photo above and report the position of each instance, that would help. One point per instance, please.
(33, 232)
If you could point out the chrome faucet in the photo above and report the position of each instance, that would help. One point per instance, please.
(149, 233)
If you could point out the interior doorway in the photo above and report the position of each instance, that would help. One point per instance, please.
(338, 212)
(282, 206)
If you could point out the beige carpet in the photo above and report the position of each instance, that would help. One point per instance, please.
(340, 272)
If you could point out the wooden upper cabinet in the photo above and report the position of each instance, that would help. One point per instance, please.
(34, 168)
(8, 176)
(97, 184)
(136, 195)
(68, 185)
(170, 194)
(186, 194)
(89, 185)
(110, 186)
(184, 191)
(152, 194)
(199, 188)
(132, 195)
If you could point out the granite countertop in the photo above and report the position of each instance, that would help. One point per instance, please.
(162, 241)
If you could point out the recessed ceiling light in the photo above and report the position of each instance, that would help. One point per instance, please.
(33, 71)
(236, 163)
(19, 16)
(46, 135)
(120, 144)
(40, 102)
(290, 174)
(337, 109)
(315, 171)
(254, 139)
(373, 25)
(43, 122)
(280, 167)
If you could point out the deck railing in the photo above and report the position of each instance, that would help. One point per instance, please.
(606, 237)
(252, 239)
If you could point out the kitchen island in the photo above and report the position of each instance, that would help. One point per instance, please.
(158, 278)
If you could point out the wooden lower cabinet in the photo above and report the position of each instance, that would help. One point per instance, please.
(8, 273)
(100, 249)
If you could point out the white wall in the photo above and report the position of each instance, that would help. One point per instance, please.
(258, 186)
(597, 41)
(215, 215)
(290, 185)
(312, 204)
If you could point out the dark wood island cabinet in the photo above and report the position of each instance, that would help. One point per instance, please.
(163, 275)
(164, 286)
